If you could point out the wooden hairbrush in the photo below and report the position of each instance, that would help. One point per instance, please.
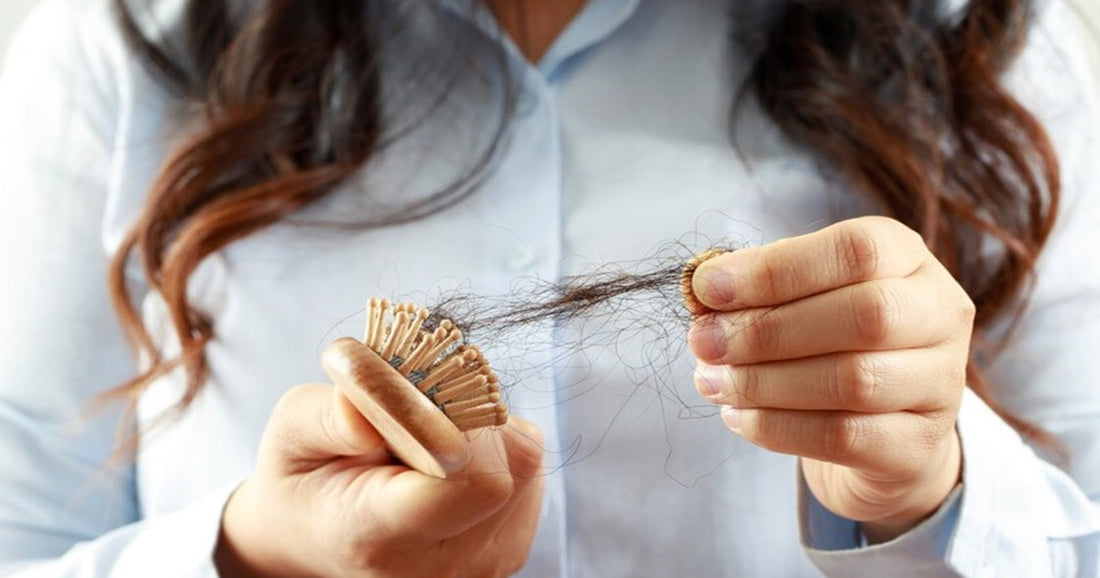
(420, 388)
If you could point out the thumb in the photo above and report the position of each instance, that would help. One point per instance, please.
(315, 422)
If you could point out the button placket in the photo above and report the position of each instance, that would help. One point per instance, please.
(526, 102)
(523, 257)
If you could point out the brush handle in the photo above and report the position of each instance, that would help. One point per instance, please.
(415, 430)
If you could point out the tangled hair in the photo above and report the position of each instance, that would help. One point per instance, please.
(903, 99)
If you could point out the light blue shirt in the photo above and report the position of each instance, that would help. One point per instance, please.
(619, 145)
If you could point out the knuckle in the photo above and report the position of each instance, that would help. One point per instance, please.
(850, 436)
(877, 311)
(363, 556)
(858, 249)
(967, 309)
(525, 460)
(860, 381)
(909, 236)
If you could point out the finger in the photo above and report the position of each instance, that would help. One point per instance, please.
(893, 444)
(409, 507)
(848, 252)
(916, 311)
(314, 422)
(504, 540)
(525, 447)
(512, 542)
(499, 545)
(921, 380)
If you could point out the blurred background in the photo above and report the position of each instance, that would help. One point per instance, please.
(12, 13)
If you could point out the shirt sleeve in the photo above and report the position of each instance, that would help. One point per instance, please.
(67, 509)
(1019, 512)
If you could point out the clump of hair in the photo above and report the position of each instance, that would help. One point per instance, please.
(611, 291)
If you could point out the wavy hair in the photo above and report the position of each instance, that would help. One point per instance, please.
(903, 99)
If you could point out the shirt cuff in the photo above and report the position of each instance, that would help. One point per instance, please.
(999, 476)
(176, 545)
(181, 543)
(1007, 513)
(837, 547)
(999, 521)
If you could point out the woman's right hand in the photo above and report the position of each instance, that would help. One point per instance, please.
(326, 500)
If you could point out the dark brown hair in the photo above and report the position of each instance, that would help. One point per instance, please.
(904, 100)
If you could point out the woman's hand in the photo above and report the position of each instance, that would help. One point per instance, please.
(847, 347)
(325, 500)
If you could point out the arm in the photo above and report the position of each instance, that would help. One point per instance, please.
(1016, 513)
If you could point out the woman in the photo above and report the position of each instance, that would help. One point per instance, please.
(167, 168)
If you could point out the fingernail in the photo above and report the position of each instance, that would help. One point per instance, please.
(714, 286)
(710, 380)
(732, 418)
(708, 339)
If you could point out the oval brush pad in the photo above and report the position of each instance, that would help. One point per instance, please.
(420, 387)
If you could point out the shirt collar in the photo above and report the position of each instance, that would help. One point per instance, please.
(598, 20)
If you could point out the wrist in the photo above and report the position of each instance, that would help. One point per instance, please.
(926, 497)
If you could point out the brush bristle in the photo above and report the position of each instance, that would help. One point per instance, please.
(454, 375)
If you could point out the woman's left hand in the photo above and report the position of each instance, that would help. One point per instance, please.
(847, 347)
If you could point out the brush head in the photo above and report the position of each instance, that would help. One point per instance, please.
(421, 387)
(414, 429)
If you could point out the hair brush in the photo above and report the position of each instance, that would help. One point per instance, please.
(421, 387)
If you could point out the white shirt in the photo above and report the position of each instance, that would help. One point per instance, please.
(619, 146)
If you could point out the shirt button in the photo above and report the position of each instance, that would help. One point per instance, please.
(522, 258)
(526, 103)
